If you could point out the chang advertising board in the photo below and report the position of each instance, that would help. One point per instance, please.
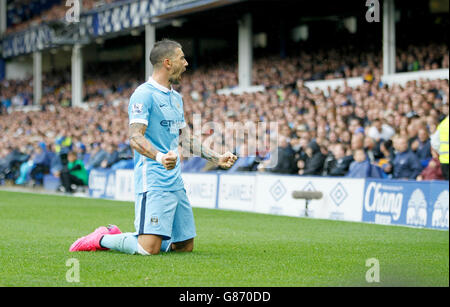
(439, 210)
(408, 203)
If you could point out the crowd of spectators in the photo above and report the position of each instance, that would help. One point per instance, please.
(369, 131)
(45, 139)
(313, 63)
(372, 130)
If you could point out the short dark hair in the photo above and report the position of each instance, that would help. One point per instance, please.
(163, 49)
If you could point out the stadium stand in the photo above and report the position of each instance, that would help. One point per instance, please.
(303, 117)
(27, 13)
(324, 127)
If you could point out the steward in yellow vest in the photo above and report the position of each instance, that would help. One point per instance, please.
(440, 144)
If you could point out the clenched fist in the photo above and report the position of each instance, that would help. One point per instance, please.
(227, 160)
(169, 160)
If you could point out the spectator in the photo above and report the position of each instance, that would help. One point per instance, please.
(362, 168)
(98, 155)
(125, 158)
(379, 131)
(388, 155)
(372, 149)
(112, 156)
(56, 165)
(328, 161)
(300, 155)
(406, 165)
(360, 162)
(439, 142)
(80, 150)
(433, 170)
(73, 174)
(357, 141)
(285, 156)
(421, 146)
(12, 161)
(412, 131)
(41, 162)
(313, 164)
(341, 162)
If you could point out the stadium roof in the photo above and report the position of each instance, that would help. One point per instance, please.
(112, 19)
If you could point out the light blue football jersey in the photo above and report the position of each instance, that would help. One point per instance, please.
(161, 110)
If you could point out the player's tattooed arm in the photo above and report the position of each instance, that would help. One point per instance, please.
(197, 148)
(206, 153)
(138, 141)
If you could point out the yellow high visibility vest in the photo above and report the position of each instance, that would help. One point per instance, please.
(443, 139)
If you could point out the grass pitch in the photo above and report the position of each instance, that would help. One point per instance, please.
(232, 249)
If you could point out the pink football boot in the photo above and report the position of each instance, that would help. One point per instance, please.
(91, 242)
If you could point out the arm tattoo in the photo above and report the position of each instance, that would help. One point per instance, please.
(195, 147)
(138, 141)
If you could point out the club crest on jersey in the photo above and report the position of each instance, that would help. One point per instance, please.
(137, 108)
(154, 220)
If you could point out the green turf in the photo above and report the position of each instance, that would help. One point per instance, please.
(231, 249)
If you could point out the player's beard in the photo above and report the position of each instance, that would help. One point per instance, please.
(175, 80)
(176, 77)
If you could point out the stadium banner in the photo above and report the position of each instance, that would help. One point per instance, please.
(112, 18)
(408, 203)
(124, 182)
(102, 183)
(27, 41)
(201, 189)
(379, 201)
(117, 17)
(439, 205)
(127, 15)
(341, 197)
(237, 192)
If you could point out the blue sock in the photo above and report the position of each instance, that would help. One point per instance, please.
(166, 246)
(124, 242)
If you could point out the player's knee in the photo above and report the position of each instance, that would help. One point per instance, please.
(186, 246)
(151, 249)
(150, 244)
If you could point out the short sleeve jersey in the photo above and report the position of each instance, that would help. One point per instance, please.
(161, 110)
